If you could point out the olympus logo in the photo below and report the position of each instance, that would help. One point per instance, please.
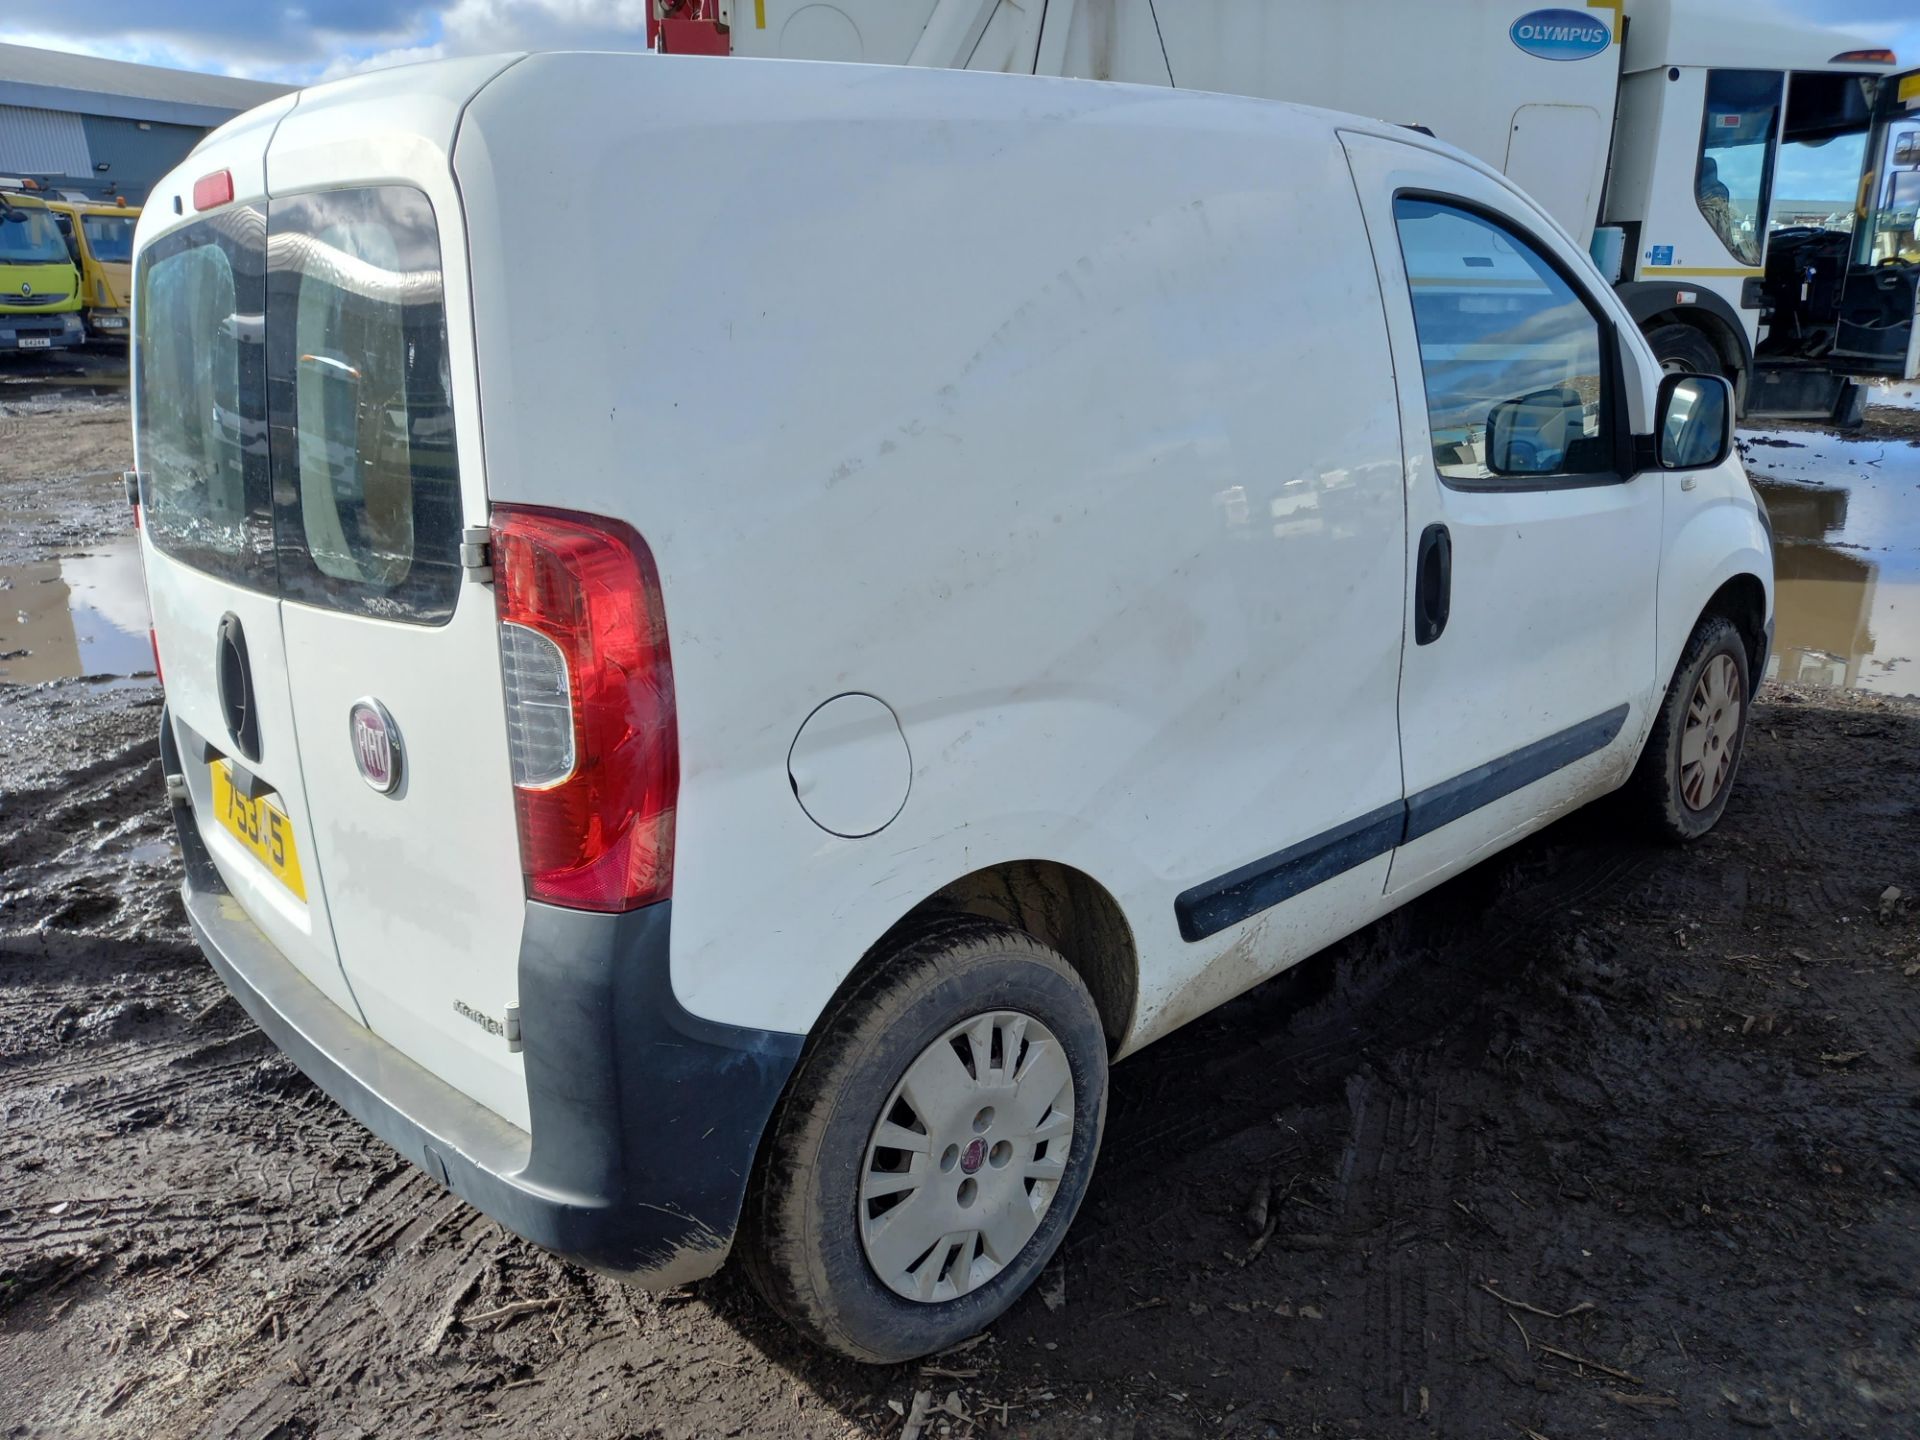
(1560, 34)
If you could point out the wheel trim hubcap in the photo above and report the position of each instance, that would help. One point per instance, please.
(966, 1157)
(1712, 733)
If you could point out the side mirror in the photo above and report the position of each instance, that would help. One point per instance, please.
(1693, 422)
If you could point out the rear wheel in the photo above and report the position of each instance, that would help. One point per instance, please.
(1687, 770)
(933, 1146)
(1683, 350)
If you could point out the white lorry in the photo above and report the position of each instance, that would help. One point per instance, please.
(1748, 183)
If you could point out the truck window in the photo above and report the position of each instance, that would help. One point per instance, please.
(200, 419)
(1735, 175)
(1816, 179)
(367, 492)
(1511, 355)
(109, 237)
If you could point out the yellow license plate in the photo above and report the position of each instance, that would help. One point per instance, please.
(260, 825)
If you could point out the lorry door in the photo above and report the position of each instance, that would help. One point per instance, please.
(1881, 293)
(1533, 549)
(200, 425)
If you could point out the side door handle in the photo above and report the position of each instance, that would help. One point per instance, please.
(1432, 584)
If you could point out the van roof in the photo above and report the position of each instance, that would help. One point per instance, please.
(449, 86)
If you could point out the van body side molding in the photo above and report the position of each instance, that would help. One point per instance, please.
(1213, 905)
(1446, 802)
(1232, 897)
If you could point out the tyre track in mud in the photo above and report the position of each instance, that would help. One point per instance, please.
(1513, 1073)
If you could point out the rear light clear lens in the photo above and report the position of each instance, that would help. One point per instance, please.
(539, 708)
(590, 712)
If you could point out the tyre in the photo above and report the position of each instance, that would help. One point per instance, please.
(1687, 770)
(932, 1147)
(1683, 350)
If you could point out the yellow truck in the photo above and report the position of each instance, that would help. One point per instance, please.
(99, 236)
(40, 298)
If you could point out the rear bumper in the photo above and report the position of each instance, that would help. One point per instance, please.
(645, 1119)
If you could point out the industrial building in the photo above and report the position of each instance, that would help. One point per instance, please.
(75, 122)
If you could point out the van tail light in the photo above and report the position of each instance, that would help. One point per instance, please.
(1865, 57)
(590, 714)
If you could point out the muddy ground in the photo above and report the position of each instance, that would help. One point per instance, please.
(1603, 1138)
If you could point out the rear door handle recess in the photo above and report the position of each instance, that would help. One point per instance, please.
(1432, 584)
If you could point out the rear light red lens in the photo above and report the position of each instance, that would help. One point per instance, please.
(212, 190)
(597, 836)
(1865, 57)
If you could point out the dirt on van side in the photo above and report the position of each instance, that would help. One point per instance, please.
(1603, 1137)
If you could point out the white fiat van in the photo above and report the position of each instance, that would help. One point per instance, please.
(1012, 564)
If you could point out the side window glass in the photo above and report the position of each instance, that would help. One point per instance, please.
(1510, 353)
(1735, 173)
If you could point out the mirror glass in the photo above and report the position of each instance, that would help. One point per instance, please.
(1696, 421)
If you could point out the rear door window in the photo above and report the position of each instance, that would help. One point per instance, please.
(366, 491)
(200, 387)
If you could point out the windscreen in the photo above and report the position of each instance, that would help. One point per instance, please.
(109, 237)
(29, 237)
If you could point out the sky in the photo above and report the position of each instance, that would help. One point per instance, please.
(320, 39)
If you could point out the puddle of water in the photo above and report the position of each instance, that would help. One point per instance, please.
(1846, 556)
(151, 852)
(82, 614)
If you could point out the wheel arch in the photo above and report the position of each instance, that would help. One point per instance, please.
(1653, 303)
(1059, 905)
(1742, 599)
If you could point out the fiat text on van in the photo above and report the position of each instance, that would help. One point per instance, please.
(730, 772)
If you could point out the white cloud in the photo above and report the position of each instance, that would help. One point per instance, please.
(346, 65)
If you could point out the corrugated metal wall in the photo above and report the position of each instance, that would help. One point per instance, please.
(42, 142)
(135, 158)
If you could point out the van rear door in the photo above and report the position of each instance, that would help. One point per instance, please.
(376, 458)
(392, 656)
(200, 417)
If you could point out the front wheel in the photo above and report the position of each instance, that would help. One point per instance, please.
(1687, 770)
(934, 1144)
(1683, 350)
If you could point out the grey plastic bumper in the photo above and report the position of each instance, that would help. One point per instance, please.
(645, 1119)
